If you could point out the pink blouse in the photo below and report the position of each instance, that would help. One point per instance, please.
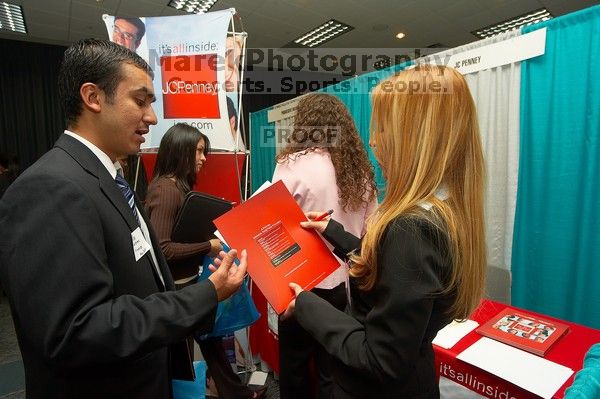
(310, 178)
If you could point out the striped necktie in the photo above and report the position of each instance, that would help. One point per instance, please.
(128, 194)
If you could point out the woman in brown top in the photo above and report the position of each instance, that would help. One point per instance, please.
(181, 154)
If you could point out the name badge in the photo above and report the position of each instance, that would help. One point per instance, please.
(140, 245)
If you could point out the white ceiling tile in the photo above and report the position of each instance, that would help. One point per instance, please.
(458, 9)
(265, 41)
(158, 2)
(264, 26)
(94, 28)
(170, 11)
(290, 13)
(242, 7)
(107, 6)
(348, 13)
(88, 12)
(140, 9)
(51, 6)
(52, 32)
(35, 15)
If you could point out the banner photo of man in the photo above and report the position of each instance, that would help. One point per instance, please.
(194, 64)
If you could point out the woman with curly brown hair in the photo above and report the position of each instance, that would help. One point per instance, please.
(324, 166)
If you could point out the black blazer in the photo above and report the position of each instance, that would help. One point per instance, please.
(382, 344)
(90, 320)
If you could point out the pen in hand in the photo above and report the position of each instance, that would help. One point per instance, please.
(323, 216)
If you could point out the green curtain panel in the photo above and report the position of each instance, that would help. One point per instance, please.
(263, 149)
(556, 241)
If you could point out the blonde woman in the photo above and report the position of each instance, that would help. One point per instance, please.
(421, 262)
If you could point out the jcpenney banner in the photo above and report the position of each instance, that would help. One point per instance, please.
(195, 71)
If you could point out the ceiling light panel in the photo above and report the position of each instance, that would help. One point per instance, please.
(530, 18)
(11, 17)
(323, 33)
(192, 6)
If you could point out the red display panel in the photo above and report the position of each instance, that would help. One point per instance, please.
(217, 177)
(189, 86)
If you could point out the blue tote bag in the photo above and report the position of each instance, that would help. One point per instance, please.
(234, 313)
(191, 389)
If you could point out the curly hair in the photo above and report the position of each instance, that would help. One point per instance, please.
(323, 122)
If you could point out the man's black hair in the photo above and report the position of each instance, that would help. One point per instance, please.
(93, 61)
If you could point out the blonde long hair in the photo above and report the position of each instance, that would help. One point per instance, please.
(425, 134)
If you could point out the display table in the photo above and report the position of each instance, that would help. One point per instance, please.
(569, 351)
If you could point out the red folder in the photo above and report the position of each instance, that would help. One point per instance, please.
(280, 251)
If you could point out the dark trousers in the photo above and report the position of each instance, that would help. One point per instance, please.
(296, 350)
(227, 382)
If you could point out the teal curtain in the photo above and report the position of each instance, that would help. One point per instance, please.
(556, 241)
(262, 144)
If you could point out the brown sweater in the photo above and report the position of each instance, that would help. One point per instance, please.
(163, 202)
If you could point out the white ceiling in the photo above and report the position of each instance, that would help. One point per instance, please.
(274, 23)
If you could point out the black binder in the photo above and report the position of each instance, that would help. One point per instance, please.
(195, 220)
(182, 367)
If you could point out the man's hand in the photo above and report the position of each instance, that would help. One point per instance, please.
(215, 247)
(226, 276)
(319, 227)
(289, 312)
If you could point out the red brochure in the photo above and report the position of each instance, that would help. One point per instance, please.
(280, 251)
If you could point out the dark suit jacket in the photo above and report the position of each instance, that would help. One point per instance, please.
(90, 320)
(382, 345)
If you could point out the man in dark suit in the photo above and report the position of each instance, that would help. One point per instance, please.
(91, 294)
